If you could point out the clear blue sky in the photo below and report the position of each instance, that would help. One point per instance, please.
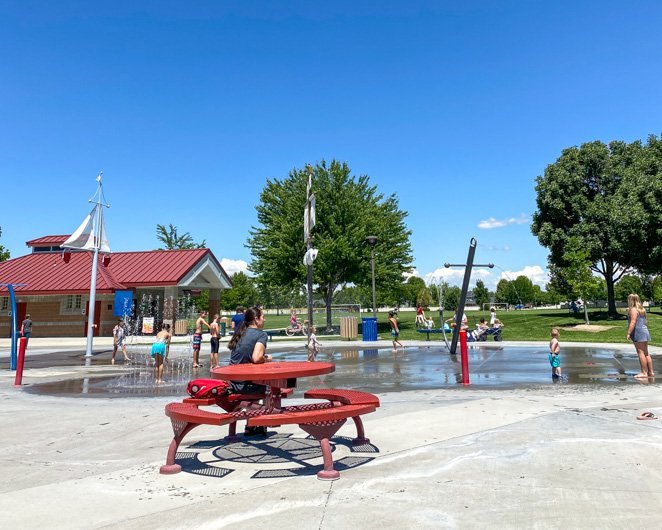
(454, 106)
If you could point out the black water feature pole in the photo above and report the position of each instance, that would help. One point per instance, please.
(468, 266)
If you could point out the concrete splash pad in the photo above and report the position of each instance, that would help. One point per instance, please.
(376, 370)
(533, 454)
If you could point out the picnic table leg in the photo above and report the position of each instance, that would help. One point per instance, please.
(360, 434)
(322, 432)
(180, 429)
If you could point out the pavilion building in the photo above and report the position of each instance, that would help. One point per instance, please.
(56, 286)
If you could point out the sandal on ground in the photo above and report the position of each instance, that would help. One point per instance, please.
(647, 416)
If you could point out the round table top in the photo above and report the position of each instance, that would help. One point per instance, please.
(271, 371)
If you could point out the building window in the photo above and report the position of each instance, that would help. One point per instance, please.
(4, 304)
(72, 303)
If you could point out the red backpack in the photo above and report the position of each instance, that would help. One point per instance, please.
(206, 388)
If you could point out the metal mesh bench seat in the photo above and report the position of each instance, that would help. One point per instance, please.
(184, 418)
(320, 423)
(347, 397)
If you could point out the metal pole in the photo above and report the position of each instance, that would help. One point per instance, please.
(93, 294)
(309, 245)
(374, 291)
(463, 296)
(14, 327)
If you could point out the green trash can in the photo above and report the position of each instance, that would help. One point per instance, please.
(222, 329)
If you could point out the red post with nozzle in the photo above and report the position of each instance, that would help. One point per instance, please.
(22, 345)
(464, 352)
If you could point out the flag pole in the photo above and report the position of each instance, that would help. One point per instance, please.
(98, 232)
(309, 245)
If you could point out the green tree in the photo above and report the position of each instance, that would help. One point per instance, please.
(172, 240)
(506, 292)
(348, 210)
(523, 286)
(451, 297)
(577, 273)
(413, 287)
(481, 294)
(628, 284)
(243, 293)
(609, 197)
(4, 253)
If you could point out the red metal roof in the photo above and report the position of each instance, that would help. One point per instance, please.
(47, 273)
(47, 241)
(154, 267)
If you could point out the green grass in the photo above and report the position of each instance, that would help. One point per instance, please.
(518, 325)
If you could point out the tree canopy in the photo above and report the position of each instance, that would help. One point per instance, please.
(243, 293)
(172, 240)
(348, 209)
(4, 253)
(481, 293)
(610, 198)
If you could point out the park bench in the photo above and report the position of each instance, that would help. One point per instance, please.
(233, 403)
(320, 423)
(320, 420)
(433, 330)
(185, 417)
(347, 397)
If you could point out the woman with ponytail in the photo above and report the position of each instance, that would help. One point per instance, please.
(248, 345)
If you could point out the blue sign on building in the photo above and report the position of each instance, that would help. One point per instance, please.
(123, 305)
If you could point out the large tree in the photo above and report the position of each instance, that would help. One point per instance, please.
(173, 240)
(349, 209)
(610, 197)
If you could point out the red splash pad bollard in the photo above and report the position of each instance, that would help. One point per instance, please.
(464, 353)
(22, 345)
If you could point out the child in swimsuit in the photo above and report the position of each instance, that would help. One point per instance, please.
(554, 350)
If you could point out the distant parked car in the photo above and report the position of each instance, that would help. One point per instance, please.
(519, 306)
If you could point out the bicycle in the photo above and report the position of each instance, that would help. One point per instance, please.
(300, 328)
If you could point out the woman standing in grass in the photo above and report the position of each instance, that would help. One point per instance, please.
(638, 333)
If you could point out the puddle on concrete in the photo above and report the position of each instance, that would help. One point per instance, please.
(382, 370)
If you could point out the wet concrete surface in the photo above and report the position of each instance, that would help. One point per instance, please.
(370, 369)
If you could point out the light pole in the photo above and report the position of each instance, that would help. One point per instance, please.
(372, 241)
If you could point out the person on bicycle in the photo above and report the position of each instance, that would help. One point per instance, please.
(294, 324)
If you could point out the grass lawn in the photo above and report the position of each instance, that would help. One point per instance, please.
(518, 325)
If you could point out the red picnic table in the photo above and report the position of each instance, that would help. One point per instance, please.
(274, 375)
(320, 420)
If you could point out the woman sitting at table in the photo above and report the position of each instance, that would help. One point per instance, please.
(248, 345)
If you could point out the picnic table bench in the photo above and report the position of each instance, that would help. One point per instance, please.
(320, 420)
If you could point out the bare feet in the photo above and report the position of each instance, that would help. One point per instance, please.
(641, 375)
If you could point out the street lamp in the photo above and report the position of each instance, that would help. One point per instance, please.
(372, 241)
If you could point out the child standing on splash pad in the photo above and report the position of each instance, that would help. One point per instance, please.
(395, 331)
(554, 350)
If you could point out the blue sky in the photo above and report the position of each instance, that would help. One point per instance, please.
(188, 107)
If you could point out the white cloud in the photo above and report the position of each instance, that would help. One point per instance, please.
(496, 248)
(491, 222)
(407, 275)
(490, 277)
(535, 273)
(454, 276)
(232, 266)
